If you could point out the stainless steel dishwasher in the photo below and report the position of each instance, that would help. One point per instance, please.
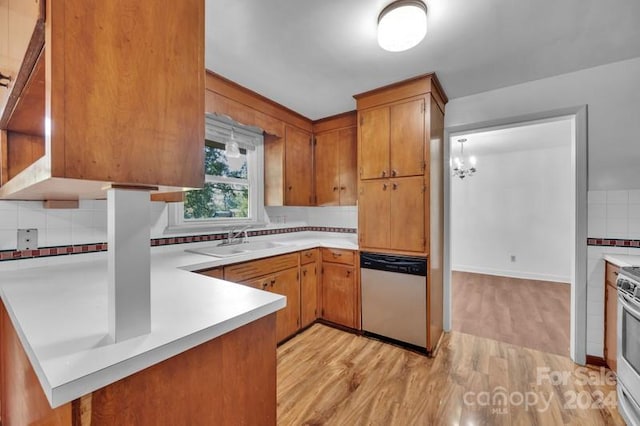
(394, 297)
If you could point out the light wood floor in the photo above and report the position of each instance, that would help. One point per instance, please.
(529, 313)
(330, 377)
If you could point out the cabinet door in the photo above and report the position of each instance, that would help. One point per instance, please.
(339, 294)
(407, 139)
(374, 143)
(610, 324)
(298, 168)
(213, 272)
(287, 284)
(18, 21)
(407, 221)
(308, 294)
(347, 146)
(327, 158)
(374, 213)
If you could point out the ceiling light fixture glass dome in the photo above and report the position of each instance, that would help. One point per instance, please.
(402, 25)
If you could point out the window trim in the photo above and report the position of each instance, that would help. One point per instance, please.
(255, 169)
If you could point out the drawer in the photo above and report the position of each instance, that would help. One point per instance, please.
(308, 256)
(256, 268)
(611, 273)
(213, 272)
(346, 257)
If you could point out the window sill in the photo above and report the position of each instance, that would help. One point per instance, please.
(200, 227)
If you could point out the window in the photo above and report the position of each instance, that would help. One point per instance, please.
(232, 192)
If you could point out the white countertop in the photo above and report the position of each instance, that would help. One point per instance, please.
(60, 313)
(622, 260)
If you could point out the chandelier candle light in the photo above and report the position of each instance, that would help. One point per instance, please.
(459, 168)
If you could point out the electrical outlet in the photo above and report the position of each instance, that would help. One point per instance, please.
(27, 239)
(513, 258)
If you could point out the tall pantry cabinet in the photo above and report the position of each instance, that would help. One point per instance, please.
(400, 178)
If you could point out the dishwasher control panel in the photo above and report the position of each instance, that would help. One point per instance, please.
(393, 263)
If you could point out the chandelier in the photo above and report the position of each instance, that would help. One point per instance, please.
(459, 168)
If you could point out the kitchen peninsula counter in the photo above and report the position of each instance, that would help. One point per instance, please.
(59, 314)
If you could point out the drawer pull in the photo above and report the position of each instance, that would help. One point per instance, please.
(308, 254)
(5, 77)
(335, 188)
(336, 254)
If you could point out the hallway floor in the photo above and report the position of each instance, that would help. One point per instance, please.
(529, 313)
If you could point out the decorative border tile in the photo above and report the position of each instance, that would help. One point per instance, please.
(611, 242)
(7, 255)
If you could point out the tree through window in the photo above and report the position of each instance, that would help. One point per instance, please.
(226, 191)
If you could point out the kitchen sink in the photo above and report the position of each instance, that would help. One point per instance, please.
(235, 249)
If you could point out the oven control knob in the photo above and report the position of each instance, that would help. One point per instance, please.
(626, 285)
(636, 293)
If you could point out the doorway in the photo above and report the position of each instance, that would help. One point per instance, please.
(511, 222)
(515, 259)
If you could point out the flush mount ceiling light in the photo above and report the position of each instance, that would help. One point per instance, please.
(402, 25)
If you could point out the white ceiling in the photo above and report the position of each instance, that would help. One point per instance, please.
(313, 55)
(538, 135)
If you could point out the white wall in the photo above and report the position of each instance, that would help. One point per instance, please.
(613, 99)
(517, 204)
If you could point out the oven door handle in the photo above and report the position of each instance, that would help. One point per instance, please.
(629, 305)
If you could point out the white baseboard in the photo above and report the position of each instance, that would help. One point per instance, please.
(512, 274)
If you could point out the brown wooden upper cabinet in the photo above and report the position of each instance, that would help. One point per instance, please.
(298, 169)
(400, 139)
(335, 164)
(393, 214)
(122, 101)
(18, 19)
(392, 140)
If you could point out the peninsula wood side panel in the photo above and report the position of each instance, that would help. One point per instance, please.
(22, 401)
(230, 380)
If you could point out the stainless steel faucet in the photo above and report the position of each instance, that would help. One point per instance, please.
(233, 237)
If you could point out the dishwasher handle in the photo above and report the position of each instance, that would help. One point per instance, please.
(393, 263)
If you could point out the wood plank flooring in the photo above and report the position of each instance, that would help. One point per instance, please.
(529, 313)
(330, 377)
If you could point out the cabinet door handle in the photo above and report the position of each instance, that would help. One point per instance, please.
(384, 186)
(335, 188)
(265, 285)
(384, 173)
(290, 188)
(304, 272)
(394, 173)
(5, 77)
(395, 186)
(348, 274)
(273, 281)
(342, 188)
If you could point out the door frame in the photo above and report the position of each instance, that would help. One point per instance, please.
(578, 115)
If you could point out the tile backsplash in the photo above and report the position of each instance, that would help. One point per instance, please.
(614, 214)
(88, 223)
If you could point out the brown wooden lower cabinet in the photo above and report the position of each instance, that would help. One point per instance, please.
(229, 380)
(340, 295)
(287, 283)
(308, 294)
(611, 315)
(330, 291)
